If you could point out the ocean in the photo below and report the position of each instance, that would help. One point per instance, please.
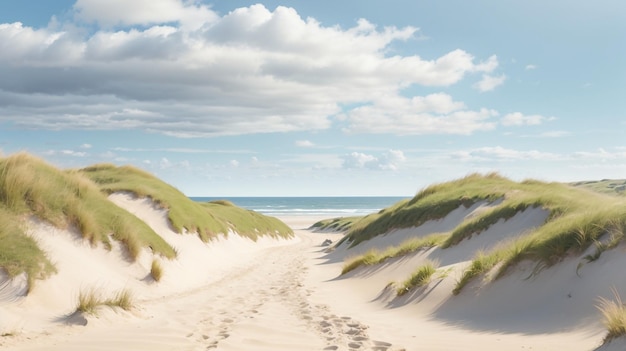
(311, 206)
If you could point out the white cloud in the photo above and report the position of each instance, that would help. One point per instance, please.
(519, 119)
(489, 82)
(234, 163)
(164, 163)
(601, 154)
(86, 146)
(432, 114)
(387, 161)
(191, 73)
(530, 67)
(499, 153)
(143, 12)
(304, 143)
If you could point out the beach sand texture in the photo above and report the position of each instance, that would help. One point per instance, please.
(276, 294)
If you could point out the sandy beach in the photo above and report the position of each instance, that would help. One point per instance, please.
(235, 294)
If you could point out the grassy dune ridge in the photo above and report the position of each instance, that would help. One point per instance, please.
(67, 199)
(578, 218)
(77, 199)
(206, 219)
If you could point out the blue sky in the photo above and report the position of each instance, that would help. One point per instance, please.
(295, 98)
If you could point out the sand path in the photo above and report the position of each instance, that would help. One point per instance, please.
(263, 304)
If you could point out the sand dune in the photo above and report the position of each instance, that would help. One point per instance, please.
(235, 294)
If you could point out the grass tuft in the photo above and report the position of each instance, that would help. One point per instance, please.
(614, 314)
(156, 270)
(481, 264)
(409, 246)
(90, 300)
(421, 277)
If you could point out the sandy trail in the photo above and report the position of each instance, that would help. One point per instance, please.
(263, 304)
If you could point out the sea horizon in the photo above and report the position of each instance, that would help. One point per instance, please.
(331, 206)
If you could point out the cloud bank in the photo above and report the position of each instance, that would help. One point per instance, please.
(178, 68)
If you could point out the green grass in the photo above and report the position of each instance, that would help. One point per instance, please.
(156, 270)
(432, 203)
(374, 257)
(67, 199)
(421, 277)
(605, 186)
(577, 219)
(340, 224)
(614, 316)
(89, 301)
(19, 253)
(481, 264)
(207, 220)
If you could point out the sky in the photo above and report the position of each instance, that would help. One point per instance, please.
(317, 98)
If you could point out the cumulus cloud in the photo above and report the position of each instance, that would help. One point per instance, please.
(432, 114)
(530, 67)
(177, 68)
(387, 161)
(519, 119)
(489, 82)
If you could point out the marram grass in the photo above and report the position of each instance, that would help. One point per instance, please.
(577, 219)
(410, 245)
(66, 199)
(156, 270)
(207, 220)
(420, 277)
(89, 300)
(614, 316)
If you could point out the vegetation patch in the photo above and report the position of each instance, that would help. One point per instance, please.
(19, 253)
(432, 203)
(577, 219)
(614, 316)
(340, 224)
(411, 245)
(156, 270)
(89, 301)
(207, 220)
(421, 277)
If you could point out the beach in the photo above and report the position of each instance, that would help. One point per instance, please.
(278, 295)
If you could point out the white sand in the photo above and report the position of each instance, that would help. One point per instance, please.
(235, 294)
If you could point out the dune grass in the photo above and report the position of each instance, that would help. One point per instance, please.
(66, 199)
(577, 219)
(421, 277)
(410, 245)
(19, 253)
(432, 203)
(207, 220)
(156, 270)
(340, 224)
(89, 300)
(614, 316)
(606, 186)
